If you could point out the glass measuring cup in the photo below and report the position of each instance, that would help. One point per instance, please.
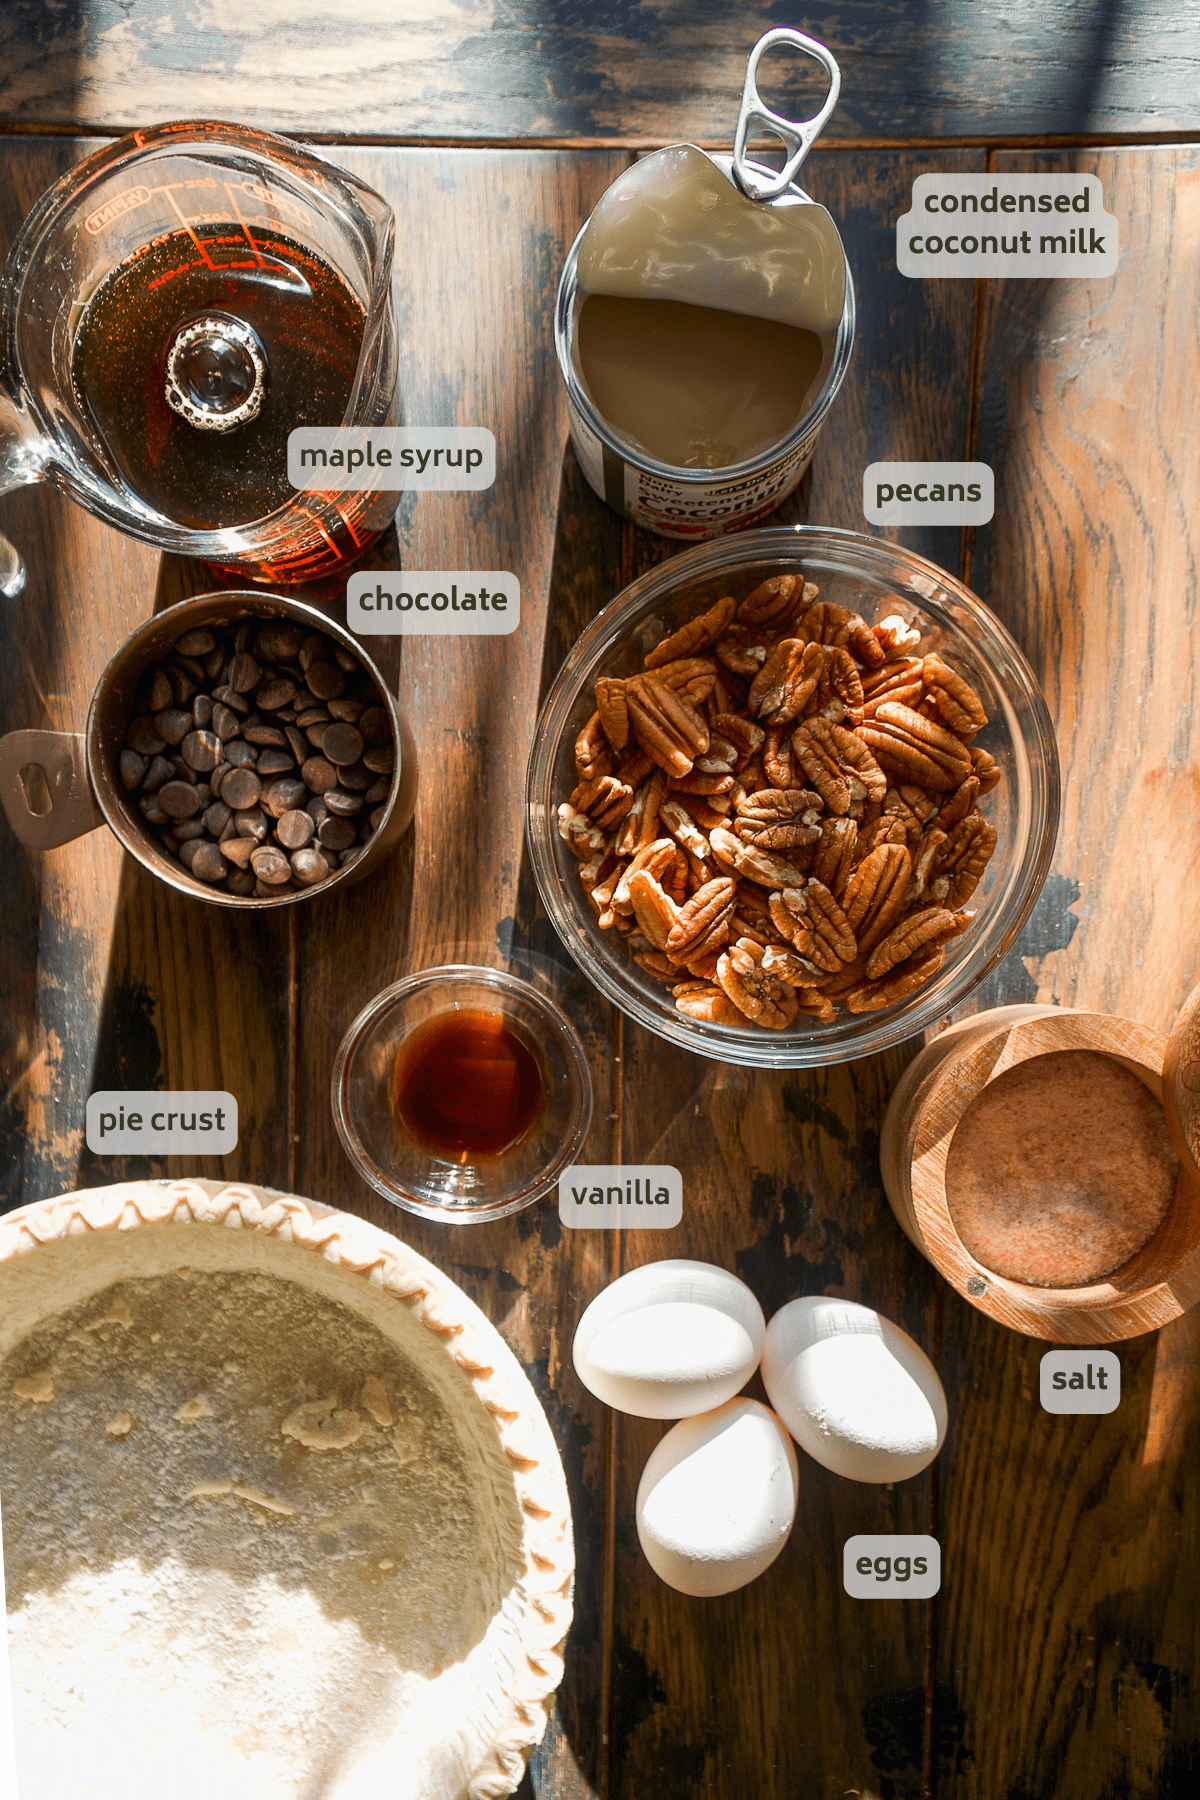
(198, 234)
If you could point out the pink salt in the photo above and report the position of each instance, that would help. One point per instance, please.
(1060, 1170)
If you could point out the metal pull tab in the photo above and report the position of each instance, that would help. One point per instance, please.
(799, 136)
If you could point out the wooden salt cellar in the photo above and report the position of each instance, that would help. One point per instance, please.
(1162, 1279)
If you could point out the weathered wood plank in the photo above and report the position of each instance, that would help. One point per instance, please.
(781, 1184)
(113, 981)
(470, 70)
(482, 238)
(1068, 1643)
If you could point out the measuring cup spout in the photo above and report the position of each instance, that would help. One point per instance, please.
(23, 460)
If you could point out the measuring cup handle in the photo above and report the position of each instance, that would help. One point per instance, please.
(62, 758)
(799, 135)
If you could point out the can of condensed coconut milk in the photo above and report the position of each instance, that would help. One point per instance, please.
(704, 324)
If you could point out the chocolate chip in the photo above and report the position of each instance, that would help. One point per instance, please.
(202, 711)
(143, 736)
(356, 780)
(312, 648)
(274, 694)
(342, 804)
(274, 762)
(216, 817)
(295, 829)
(317, 774)
(238, 850)
(341, 744)
(309, 866)
(178, 800)
(241, 789)
(283, 796)
(380, 758)
(375, 726)
(132, 768)
(297, 742)
(242, 883)
(201, 751)
(208, 864)
(186, 829)
(240, 755)
(161, 692)
(245, 674)
(335, 833)
(173, 724)
(253, 823)
(346, 710)
(198, 642)
(152, 810)
(225, 722)
(158, 772)
(229, 696)
(270, 865)
(264, 734)
(325, 680)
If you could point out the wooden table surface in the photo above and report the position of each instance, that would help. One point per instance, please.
(1060, 1660)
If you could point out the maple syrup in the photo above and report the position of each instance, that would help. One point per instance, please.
(158, 321)
(466, 1085)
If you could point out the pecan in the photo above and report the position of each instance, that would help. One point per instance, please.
(683, 828)
(667, 727)
(839, 693)
(698, 634)
(825, 623)
(707, 811)
(787, 681)
(839, 765)
(834, 856)
(592, 754)
(740, 653)
(703, 924)
(732, 741)
(966, 855)
(604, 799)
(955, 699)
(899, 679)
(655, 858)
(960, 803)
(915, 748)
(777, 756)
(911, 936)
(888, 829)
(656, 964)
(902, 981)
(895, 636)
(876, 893)
(777, 601)
(585, 839)
(928, 853)
(653, 909)
(634, 767)
(779, 818)
(677, 874)
(760, 996)
(815, 926)
(986, 769)
(754, 864)
(697, 783)
(784, 963)
(701, 1000)
(612, 711)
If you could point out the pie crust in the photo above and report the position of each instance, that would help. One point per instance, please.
(218, 1405)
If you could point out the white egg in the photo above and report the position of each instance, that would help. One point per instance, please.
(717, 1498)
(669, 1339)
(853, 1389)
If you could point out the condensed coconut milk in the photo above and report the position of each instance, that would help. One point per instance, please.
(705, 321)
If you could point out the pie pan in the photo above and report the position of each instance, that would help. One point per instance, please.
(282, 1514)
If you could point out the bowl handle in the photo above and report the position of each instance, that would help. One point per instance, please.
(62, 758)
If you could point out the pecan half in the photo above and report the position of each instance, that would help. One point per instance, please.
(814, 925)
(903, 980)
(593, 756)
(667, 727)
(787, 681)
(756, 865)
(703, 924)
(760, 996)
(839, 694)
(966, 855)
(911, 936)
(876, 893)
(698, 634)
(986, 768)
(955, 699)
(612, 711)
(834, 856)
(701, 1000)
(915, 748)
(653, 909)
(779, 818)
(899, 679)
(777, 601)
(777, 756)
(839, 765)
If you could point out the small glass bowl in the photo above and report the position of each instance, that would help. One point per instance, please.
(874, 578)
(419, 1179)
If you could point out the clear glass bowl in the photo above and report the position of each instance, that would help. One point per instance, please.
(418, 1179)
(875, 578)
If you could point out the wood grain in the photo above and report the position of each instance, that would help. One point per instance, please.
(115, 982)
(482, 240)
(1068, 1642)
(470, 70)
